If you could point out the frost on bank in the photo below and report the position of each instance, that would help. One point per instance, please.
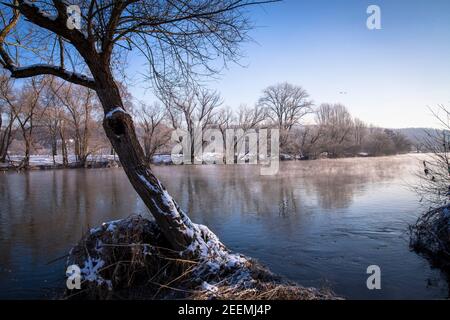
(431, 236)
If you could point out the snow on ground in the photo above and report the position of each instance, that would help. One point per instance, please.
(48, 159)
(159, 159)
(162, 159)
(167, 158)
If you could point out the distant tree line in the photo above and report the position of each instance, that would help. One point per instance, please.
(49, 116)
(337, 134)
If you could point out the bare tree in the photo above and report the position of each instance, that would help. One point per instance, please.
(379, 143)
(430, 234)
(193, 110)
(179, 39)
(309, 136)
(360, 132)
(52, 118)
(81, 106)
(224, 120)
(245, 119)
(286, 105)
(62, 130)
(434, 180)
(400, 142)
(155, 133)
(336, 125)
(7, 116)
(28, 111)
(250, 118)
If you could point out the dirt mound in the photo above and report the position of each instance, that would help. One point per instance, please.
(130, 259)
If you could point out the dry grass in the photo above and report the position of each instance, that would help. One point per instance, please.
(265, 291)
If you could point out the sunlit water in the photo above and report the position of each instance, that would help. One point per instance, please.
(320, 223)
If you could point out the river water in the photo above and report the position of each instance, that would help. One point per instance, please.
(320, 223)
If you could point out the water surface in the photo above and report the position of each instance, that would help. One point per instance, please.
(320, 223)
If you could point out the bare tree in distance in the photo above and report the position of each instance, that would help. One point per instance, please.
(286, 105)
(179, 39)
(336, 125)
(248, 119)
(308, 138)
(251, 118)
(52, 118)
(430, 234)
(28, 111)
(193, 110)
(81, 107)
(155, 133)
(360, 132)
(434, 180)
(245, 118)
(7, 116)
(224, 120)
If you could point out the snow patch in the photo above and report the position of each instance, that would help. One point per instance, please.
(95, 230)
(47, 160)
(209, 287)
(111, 228)
(116, 109)
(91, 269)
(147, 183)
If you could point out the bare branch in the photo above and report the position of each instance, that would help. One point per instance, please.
(41, 69)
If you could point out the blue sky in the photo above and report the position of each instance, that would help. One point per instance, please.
(390, 75)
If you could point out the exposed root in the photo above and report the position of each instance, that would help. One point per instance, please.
(431, 236)
(130, 259)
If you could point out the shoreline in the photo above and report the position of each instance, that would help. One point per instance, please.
(58, 166)
(102, 162)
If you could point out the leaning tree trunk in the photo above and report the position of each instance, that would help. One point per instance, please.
(119, 128)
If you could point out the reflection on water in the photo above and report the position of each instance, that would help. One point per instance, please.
(320, 223)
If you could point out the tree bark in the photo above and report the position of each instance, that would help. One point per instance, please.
(120, 130)
(6, 138)
(54, 146)
(64, 153)
(26, 160)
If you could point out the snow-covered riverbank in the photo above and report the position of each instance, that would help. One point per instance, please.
(107, 161)
(48, 162)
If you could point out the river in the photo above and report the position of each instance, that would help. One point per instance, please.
(320, 223)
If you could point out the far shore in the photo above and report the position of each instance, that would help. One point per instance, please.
(46, 162)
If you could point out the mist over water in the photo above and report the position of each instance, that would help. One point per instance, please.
(320, 223)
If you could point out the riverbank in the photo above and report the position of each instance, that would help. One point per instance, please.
(327, 221)
(430, 236)
(47, 162)
(130, 259)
